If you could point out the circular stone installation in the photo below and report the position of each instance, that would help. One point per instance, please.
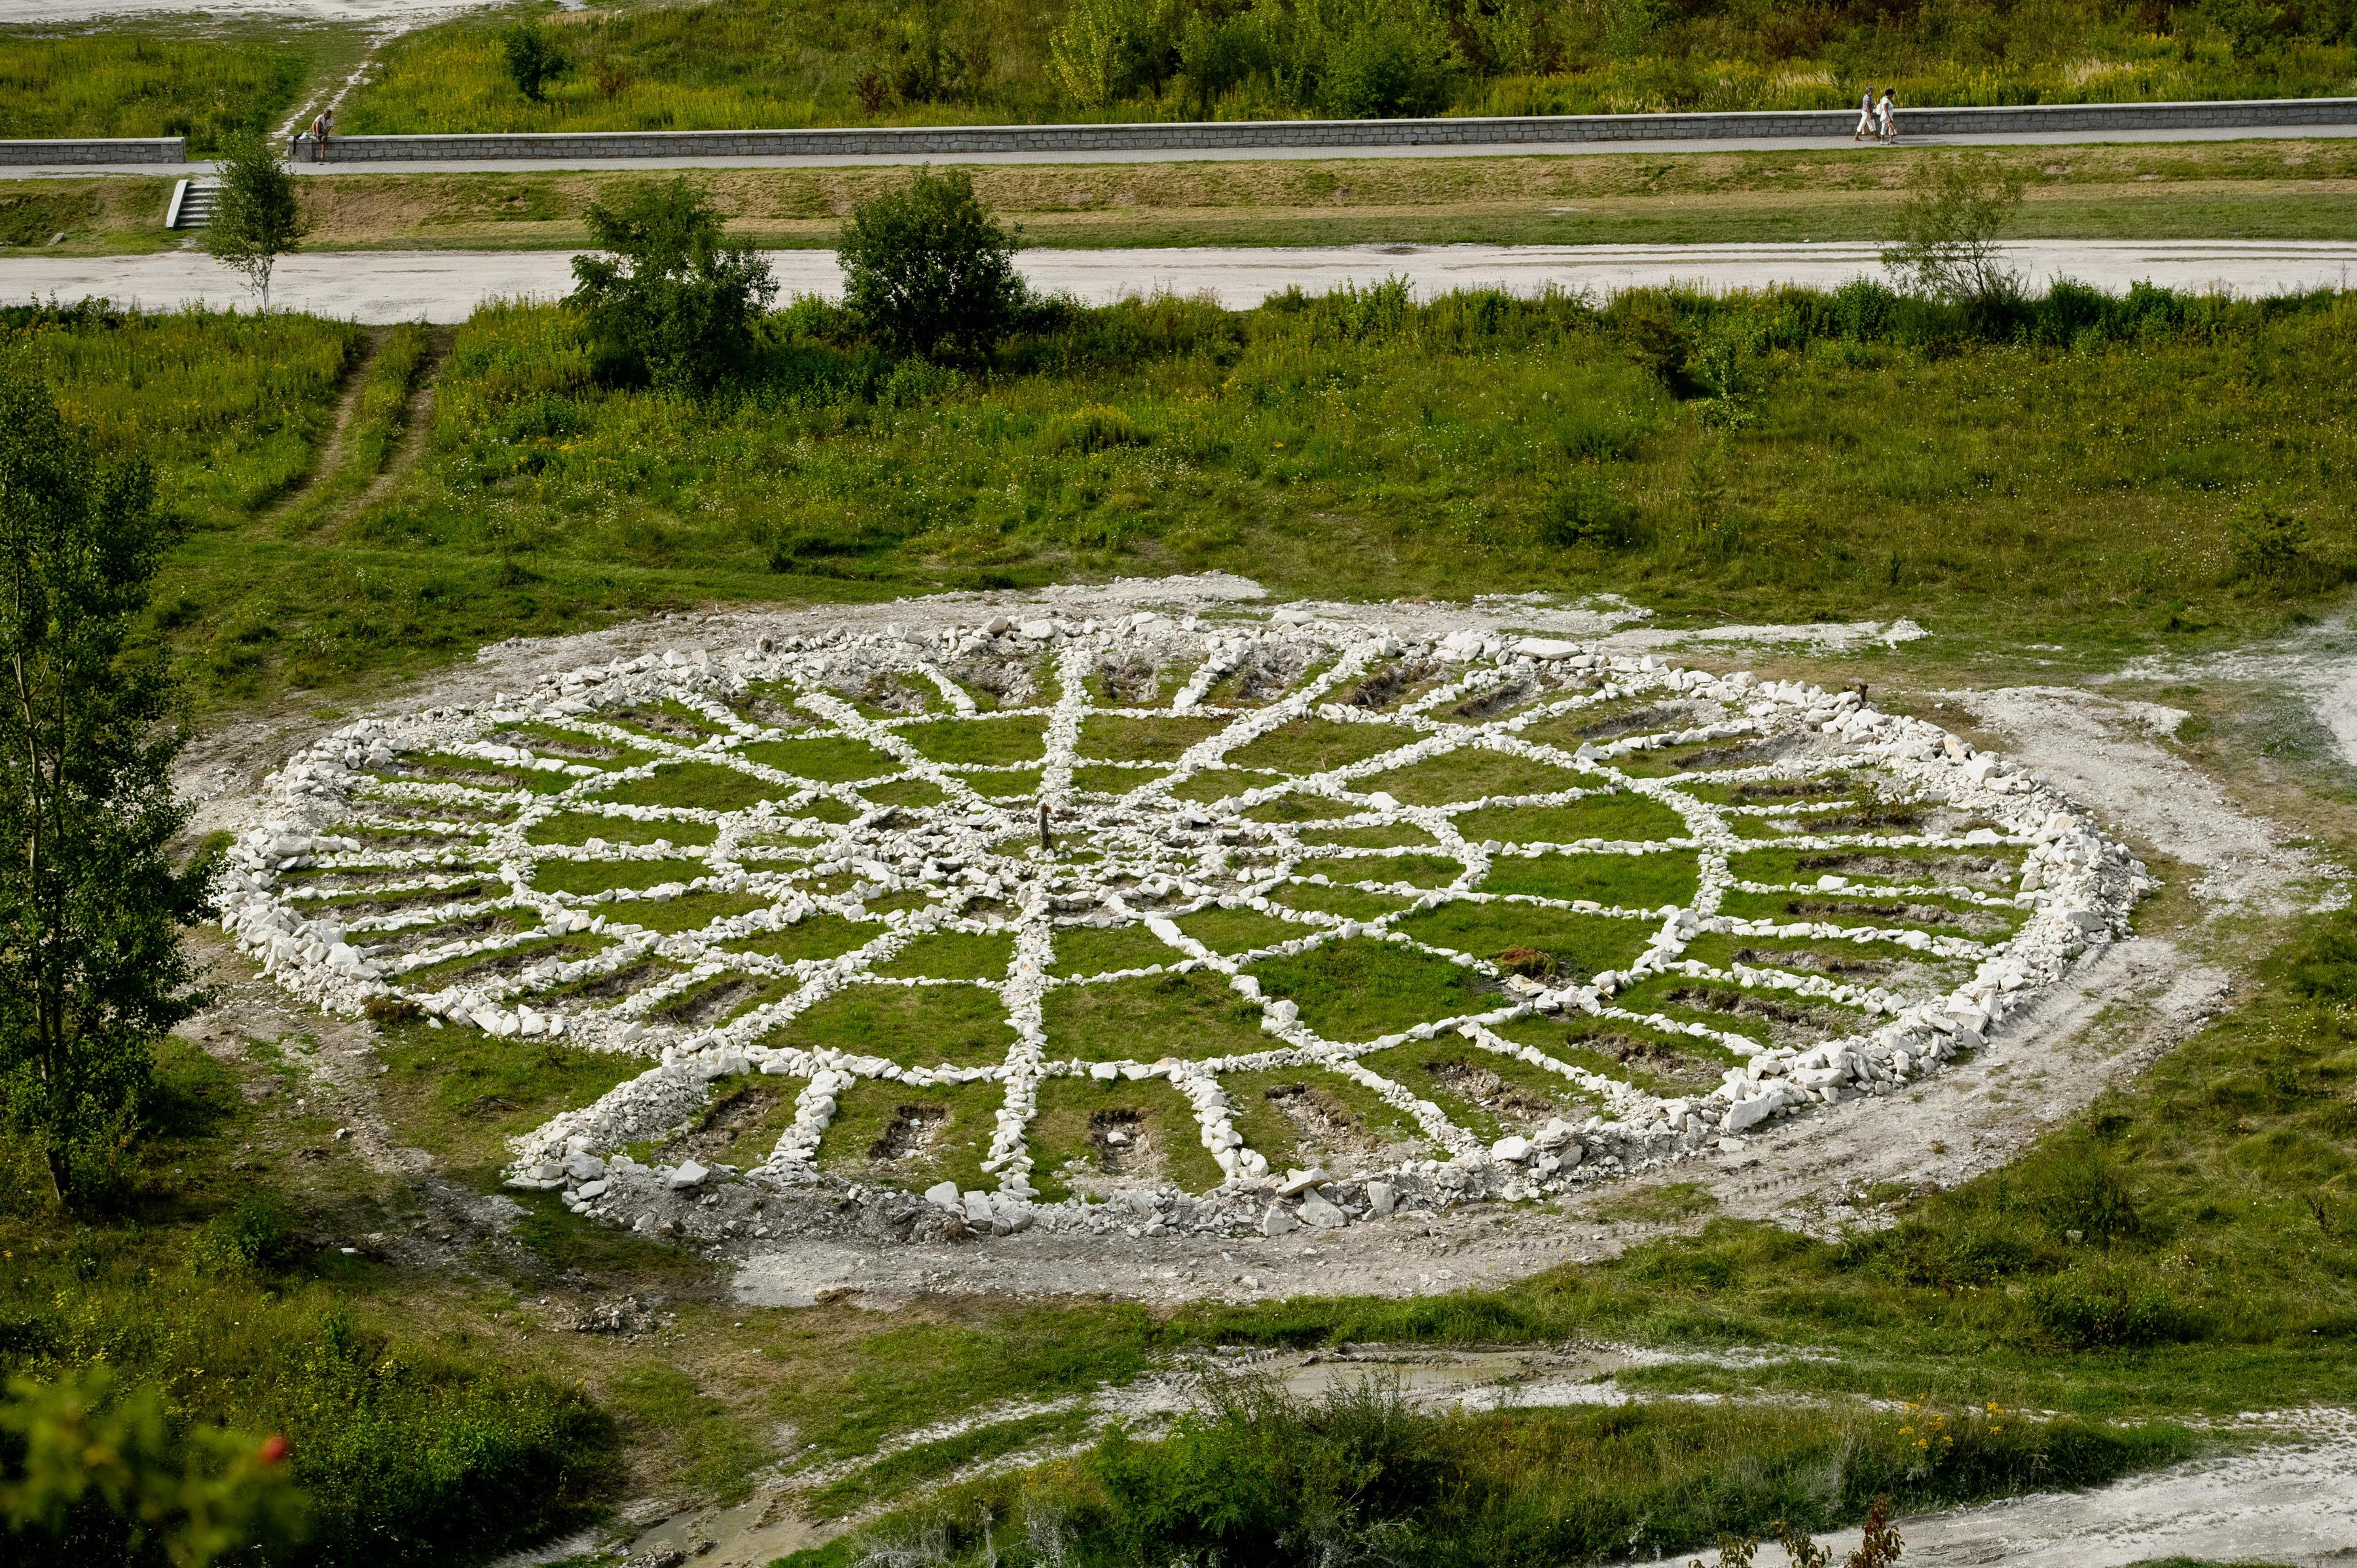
(1237, 923)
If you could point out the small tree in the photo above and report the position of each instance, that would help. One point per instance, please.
(533, 59)
(1105, 51)
(1388, 67)
(926, 269)
(2248, 27)
(92, 972)
(1947, 245)
(671, 301)
(1217, 55)
(256, 218)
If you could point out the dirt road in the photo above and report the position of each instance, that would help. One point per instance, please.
(380, 287)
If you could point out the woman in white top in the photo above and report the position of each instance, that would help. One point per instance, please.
(1864, 116)
(1886, 112)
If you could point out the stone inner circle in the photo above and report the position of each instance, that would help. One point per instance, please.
(1283, 920)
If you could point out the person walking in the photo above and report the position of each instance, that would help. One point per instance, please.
(1864, 116)
(1886, 114)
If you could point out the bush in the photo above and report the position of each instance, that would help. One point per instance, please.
(1107, 50)
(426, 1464)
(94, 1477)
(1267, 1480)
(255, 1235)
(1094, 428)
(914, 381)
(2107, 1305)
(671, 303)
(926, 269)
(2267, 543)
(1584, 509)
(1947, 246)
(1862, 310)
(1387, 69)
(1220, 54)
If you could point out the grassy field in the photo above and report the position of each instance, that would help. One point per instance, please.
(195, 76)
(1752, 458)
(732, 63)
(1780, 456)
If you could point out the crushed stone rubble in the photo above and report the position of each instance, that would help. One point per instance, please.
(334, 820)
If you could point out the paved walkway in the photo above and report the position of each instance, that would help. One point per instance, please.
(1211, 155)
(378, 286)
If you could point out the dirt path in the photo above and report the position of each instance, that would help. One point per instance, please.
(338, 1058)
(417, 421)
(2103, 752)
(331, 455)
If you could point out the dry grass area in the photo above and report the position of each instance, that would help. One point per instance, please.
(2088, 191)
(2287, 190)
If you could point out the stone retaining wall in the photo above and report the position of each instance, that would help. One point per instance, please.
(108, 150)
(1538, 130)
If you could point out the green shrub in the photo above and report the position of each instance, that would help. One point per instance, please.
(410, 1462)
(256, 1234)
(927, 271)
(1217, 54)
(1389, 67)
(1095, 428)
(1584, 509)
(1105, 51)
(2267, 543)
(916, 380)
(91, 1475)
(2109, 1305)
(1265, 1478)
(671, 303)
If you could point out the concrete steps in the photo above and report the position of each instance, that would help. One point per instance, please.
(192, 204)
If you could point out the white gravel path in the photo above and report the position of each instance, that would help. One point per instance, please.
(2292, 1503)
(380, 286)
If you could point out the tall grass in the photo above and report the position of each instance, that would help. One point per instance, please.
(1358, 1475)
(229, 407)
(1787, 454)
(2075, 468)
(721, 65)
(137, 84)
(737, 63)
